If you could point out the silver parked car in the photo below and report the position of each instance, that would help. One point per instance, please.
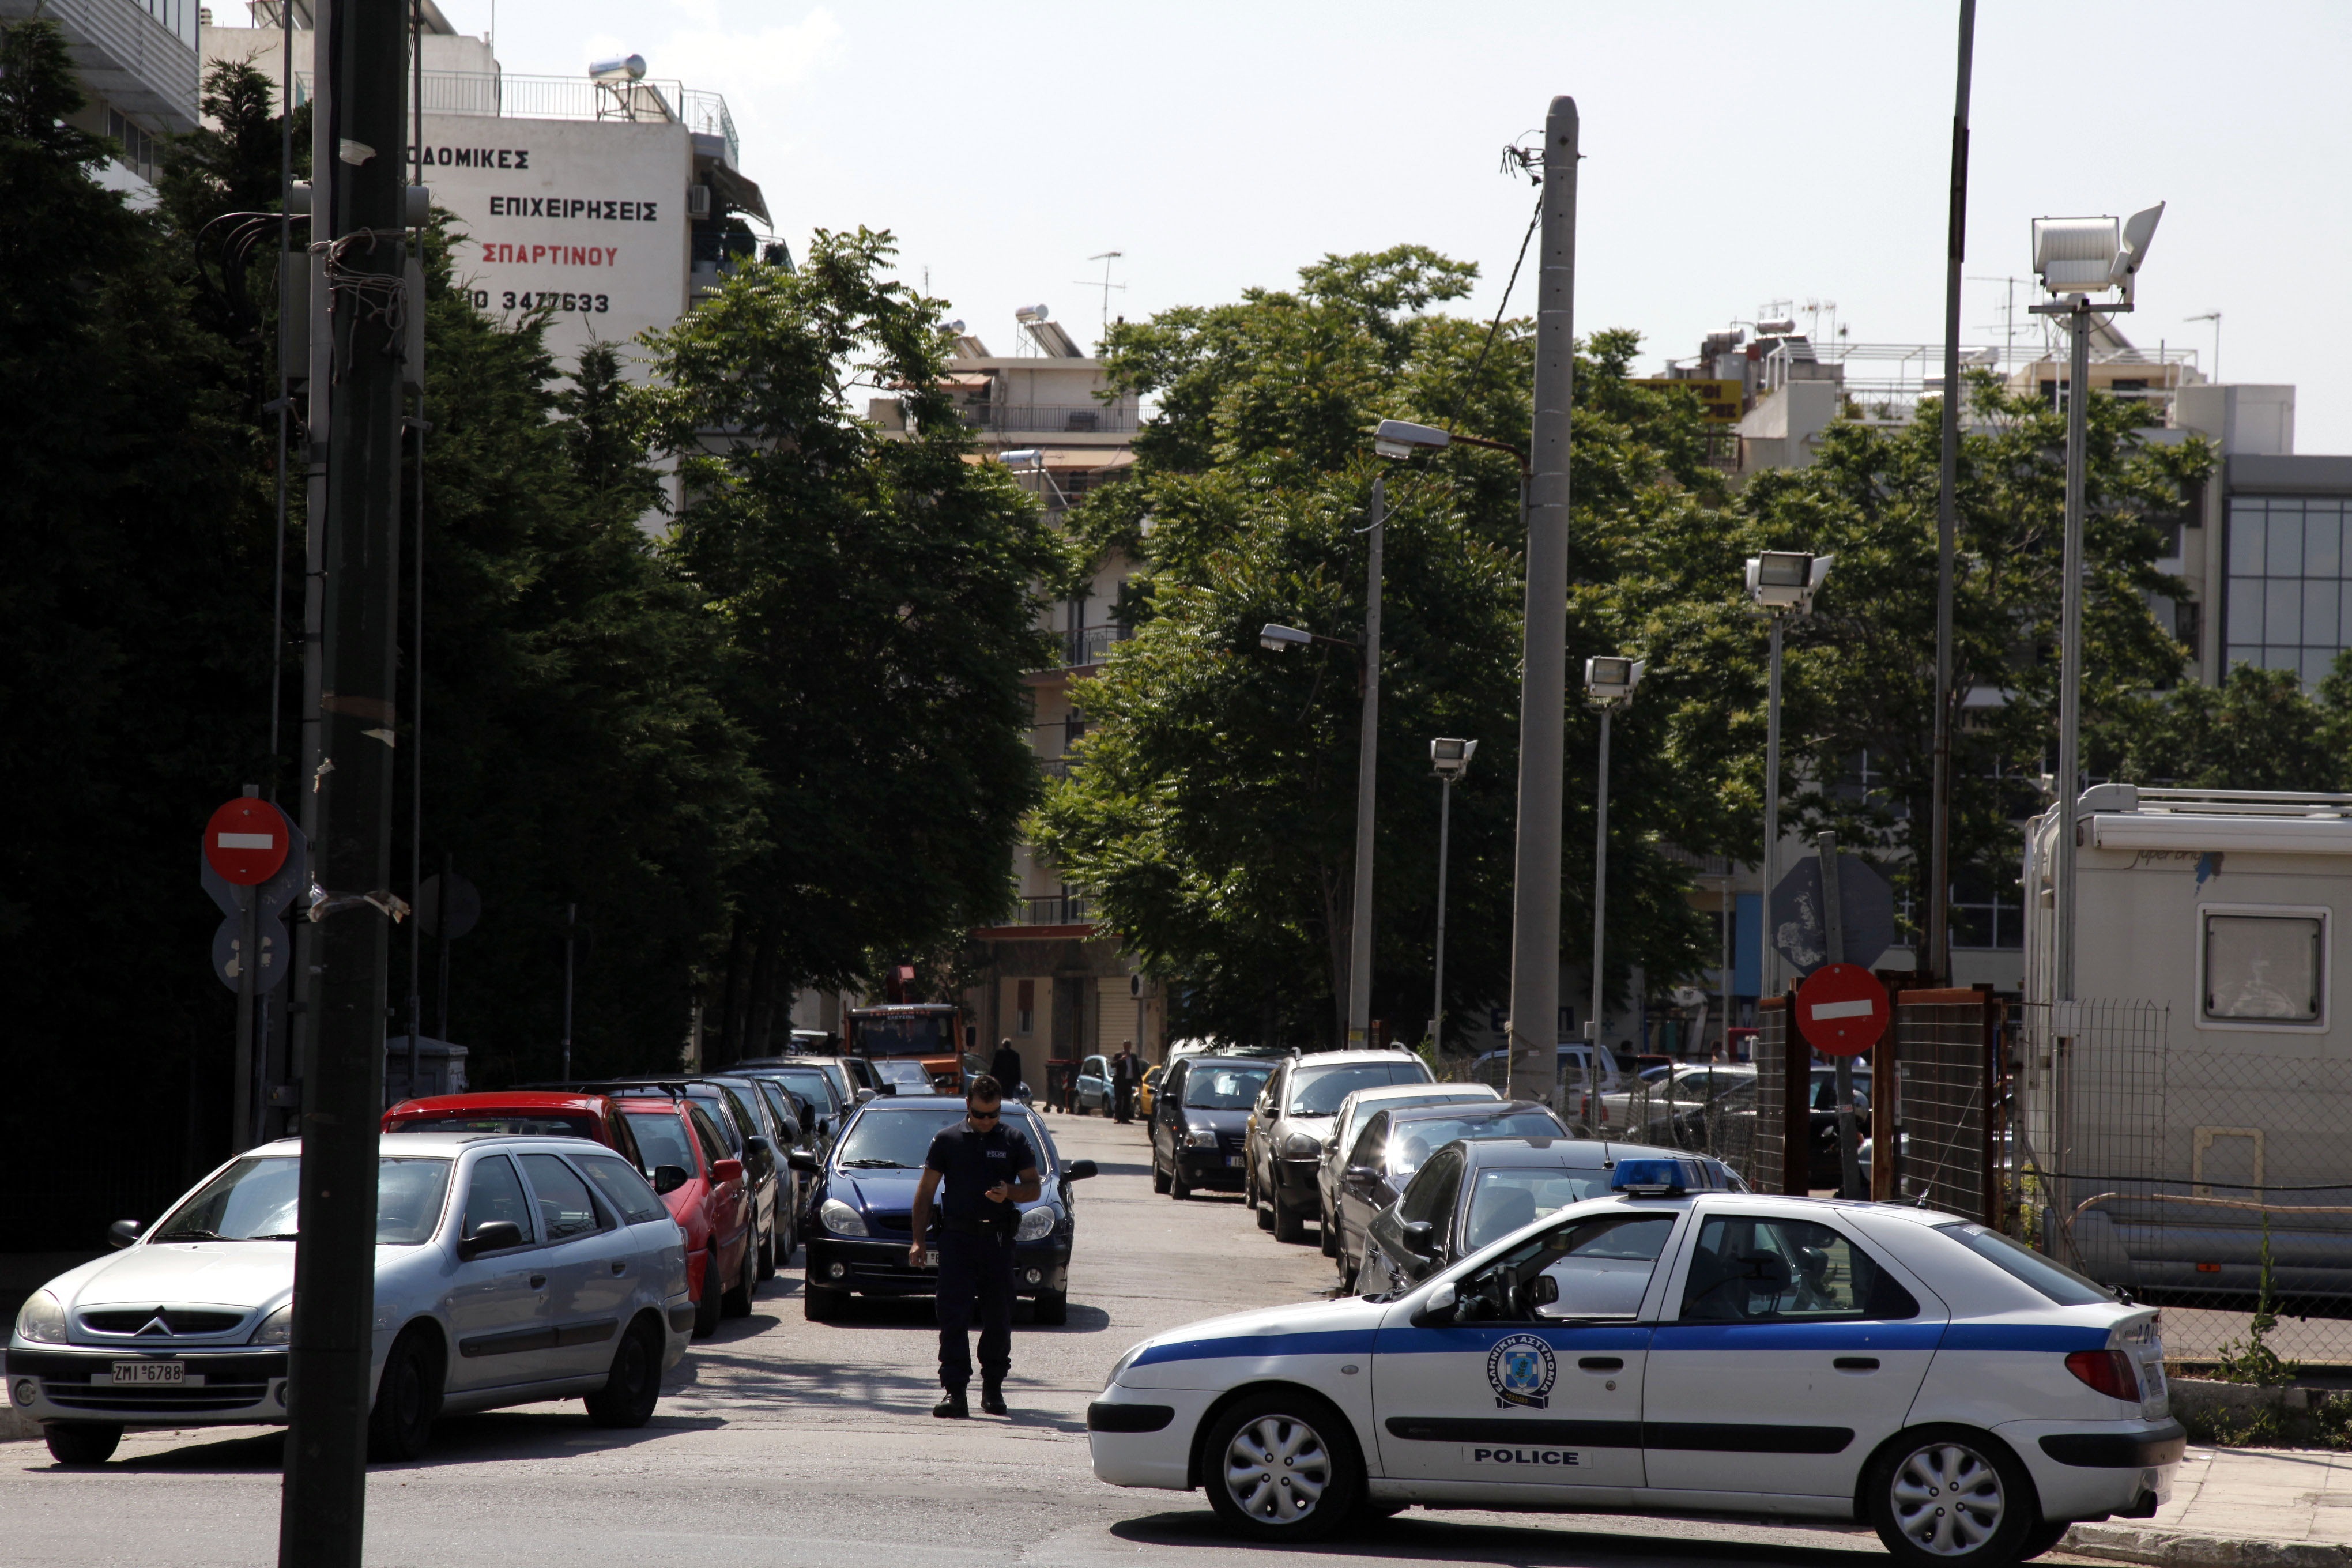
(509, 1271)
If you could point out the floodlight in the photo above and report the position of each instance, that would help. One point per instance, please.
(2138, 230)
(2087, 255)
(1277, 638)
(1609, 681)
(1786, 579)
(622, 68)
(1401, 438)
(1451, 759)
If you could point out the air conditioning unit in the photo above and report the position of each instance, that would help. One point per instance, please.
(697, 202)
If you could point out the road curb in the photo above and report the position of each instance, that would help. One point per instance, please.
(2179, 1549)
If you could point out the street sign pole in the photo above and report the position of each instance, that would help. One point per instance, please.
(249, 965)
(363, 140)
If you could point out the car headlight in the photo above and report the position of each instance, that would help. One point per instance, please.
(1301, 1147)
(841, 1220)
(276, 1329)
(43, 1319)
(1037, 1224)
(1202, 1137)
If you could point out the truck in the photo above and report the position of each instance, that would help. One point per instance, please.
(933, 1034)
(2180, 1122)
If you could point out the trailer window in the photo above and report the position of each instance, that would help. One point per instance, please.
(2263, 969)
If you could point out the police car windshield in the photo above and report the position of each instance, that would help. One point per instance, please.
(1504, 1200)
(2053, 1279)
(888, 1138)
(1411, 1143)
(1223, 1087)
(1317, 1091)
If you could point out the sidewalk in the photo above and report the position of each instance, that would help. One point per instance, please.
(2238, 1507)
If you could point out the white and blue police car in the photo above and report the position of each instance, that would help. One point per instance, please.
(1668, 1349)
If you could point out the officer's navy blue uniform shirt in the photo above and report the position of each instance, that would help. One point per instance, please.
(970, 1163)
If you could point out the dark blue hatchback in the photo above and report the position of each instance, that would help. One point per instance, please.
(861, 1212)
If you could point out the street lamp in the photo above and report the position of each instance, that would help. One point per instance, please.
(2075, 257)
(1449, 760)
(1608, 684)
(1782, 582)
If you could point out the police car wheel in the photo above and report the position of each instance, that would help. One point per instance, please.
(1949, 1496)
(1282, 1465)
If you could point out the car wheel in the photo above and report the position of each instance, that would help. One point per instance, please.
(1053, 1307)
(634, 1385)
(1254, 1199)
(1328, 1231)
(737, 1301)
(1282, 1465)
(1951, 1496)
(1178, 1188)
(1160, 1179)
(81, 1442)
(1289, 1225)
(705, 1308)
(2042, 1539)
(823, 1304)
(407, 1398)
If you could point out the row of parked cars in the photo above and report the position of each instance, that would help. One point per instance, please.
(555, 1241)
(1398, 1173)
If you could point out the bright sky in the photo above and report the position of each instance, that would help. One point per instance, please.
(1736, 154)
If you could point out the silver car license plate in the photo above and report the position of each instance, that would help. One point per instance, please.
(149, 1372)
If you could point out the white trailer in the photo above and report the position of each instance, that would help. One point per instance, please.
(2193, 1103)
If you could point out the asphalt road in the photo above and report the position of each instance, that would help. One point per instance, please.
(783, 1441)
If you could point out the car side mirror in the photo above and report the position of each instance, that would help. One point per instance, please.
(727, 1171)
(864, 1095)
(802, 1160)
(1543, 1290)
(669, 1178)
(1080, 1170)
(122, 1232)
(1438, 1309)
(490, 1235)
(1362, 1177)
(889, 1086)
(756, 1144)
(1420, 1239)
(824, 1126)
(791, 1129)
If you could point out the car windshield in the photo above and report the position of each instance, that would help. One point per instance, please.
(906, 1074)
(1317, 1091)
(661, 1139)
(810, 1086)
(2022, 1263)
(886, 1138)
(1411, 1143)
(537, 1125)
(258, 1199)
(1506, 1199)
(1223, 1088)
(906, 1035)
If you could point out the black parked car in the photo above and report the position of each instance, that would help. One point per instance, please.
(1397, 1142)
(1481, 1190)
(1200, 1122)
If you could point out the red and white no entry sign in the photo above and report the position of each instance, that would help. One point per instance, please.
(1842, 1009)
(246, 841)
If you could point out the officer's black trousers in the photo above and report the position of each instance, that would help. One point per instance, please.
(975, 1270)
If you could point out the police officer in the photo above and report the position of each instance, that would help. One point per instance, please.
(990, 1169)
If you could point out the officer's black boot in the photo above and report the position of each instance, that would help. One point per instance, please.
(991, 1398)
(951, 1405)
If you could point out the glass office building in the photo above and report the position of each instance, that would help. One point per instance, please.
(2290, 589)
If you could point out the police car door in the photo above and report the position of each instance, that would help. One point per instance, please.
(1530, 1379)
(1786, 1354)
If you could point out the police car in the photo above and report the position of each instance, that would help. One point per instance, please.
(1667, 1348)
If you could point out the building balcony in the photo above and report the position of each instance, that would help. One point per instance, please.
(1088, 646)
(1049, 418)
(1054, 767)
(507, 95)
(1054, 909)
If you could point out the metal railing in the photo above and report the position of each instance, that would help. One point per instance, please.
(509, 96)
(1056, 418)
(1056, 910)
(1054, 767)
(1088, 646)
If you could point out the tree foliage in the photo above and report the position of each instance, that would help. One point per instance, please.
(2259, 730)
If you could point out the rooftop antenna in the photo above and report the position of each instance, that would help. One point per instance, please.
(1105, 258)
(2214, 317)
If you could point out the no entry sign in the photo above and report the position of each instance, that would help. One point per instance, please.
(1842, 1009)
(246, 841)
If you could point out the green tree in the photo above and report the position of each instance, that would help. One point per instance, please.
(879, 600)
(1214, 813)
(2258, 730)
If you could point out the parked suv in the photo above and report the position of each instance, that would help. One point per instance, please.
(1293, 1115)
(1200, 1122)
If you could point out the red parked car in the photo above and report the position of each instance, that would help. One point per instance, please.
(672, 1140)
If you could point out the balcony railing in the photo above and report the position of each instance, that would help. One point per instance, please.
(569, 98)
(1056, 910)
(1055, 419)
(1091, 645)
(1054, 767)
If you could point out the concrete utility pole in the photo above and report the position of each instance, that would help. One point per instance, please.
(357, 218)
(1939, 856)
(1543, 681)
(1368, 758)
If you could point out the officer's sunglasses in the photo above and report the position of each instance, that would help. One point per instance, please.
(983, 1115)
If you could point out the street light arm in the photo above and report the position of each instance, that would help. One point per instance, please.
(1520, 457)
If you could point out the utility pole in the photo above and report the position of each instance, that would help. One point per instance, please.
(1543, 681)
(1833, 933)
(357, 217)
(1940, 873)
(1368, 757)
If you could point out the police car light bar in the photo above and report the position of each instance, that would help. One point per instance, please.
(1649, 1178)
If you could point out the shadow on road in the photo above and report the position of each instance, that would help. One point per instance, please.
(1415, 1537)
(498, 1435)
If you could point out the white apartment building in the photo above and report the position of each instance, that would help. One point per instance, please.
(137, 59)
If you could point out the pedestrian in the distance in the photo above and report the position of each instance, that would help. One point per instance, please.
(1126, 1072)
(989, 1169)
(1005, 1068)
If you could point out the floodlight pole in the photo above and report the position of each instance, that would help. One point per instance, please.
(1367, 756)
(1444, 845)
(1600, 896)
(1939, 858)
(1767, 979)
(2077, 310)
(1543, 682)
